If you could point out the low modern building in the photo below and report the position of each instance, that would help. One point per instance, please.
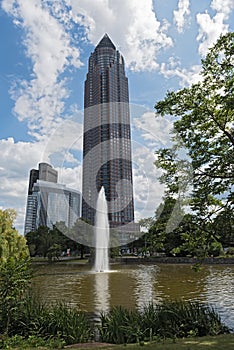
(50, 202)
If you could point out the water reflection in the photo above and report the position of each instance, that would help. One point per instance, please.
(219, 292)
(136, 286)
(101, 292)
(144, 291)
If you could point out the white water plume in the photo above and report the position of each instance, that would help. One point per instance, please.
(102, 234)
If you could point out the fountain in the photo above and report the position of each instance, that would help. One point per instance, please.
(101, 234)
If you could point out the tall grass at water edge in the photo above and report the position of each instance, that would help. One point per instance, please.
(60, 321)
(168, 320)
(118, 326)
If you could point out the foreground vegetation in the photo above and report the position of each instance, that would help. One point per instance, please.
(33, 323)
(224, 342)
(196, 216)
(168, 320)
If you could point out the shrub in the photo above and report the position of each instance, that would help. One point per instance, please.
(20, 342)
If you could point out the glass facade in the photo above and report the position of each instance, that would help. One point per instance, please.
(107, 137)
(49, 202)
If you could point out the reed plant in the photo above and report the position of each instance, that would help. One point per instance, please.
(183, 319)
(121, 326)
(177, 319)
(59, 321)
(171, 319)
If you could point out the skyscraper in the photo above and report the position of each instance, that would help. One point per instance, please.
(49, 202)
(44, 172)
(107, 138)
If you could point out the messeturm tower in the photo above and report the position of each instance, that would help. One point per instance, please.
(107, 138)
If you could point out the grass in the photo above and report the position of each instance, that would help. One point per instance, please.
(220, 342)
(59, 325)
(178, 319)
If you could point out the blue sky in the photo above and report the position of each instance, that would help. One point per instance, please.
(45, 47)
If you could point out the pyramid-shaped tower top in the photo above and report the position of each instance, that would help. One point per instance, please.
(105, 42)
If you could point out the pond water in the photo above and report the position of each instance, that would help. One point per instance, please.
(133, 286)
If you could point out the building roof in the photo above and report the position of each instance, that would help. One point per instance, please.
(105, 42)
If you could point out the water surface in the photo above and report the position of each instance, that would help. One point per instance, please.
(134, 286)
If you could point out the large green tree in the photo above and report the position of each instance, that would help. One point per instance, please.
(12, 245)
(205, 128)
(51, 242)
(14, 269)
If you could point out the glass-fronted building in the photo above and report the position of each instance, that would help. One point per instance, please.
(49, 202)
(56, 202)
(107, 138)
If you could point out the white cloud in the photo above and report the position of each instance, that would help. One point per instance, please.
(154, 129)
(71, 177)
(40, 101)
(210, 28)
(181, 15)
(140, 34)
(148, 191)
(187, 76)
(149, 134)
(68, 136)
(17, 158)
(224, 6)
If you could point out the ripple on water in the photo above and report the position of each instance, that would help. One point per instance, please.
(137, 285)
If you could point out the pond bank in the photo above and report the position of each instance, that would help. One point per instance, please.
(172, 260)
(128, 260)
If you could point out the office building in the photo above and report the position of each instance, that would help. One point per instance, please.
(49, 202)
(44, 172)
(107, 137)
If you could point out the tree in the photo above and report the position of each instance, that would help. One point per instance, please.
(51, 242)
(12, 245)
(40, 241)
(82, 233)
(223, 226)
(14, 269)
(164, 232)
(205, 127)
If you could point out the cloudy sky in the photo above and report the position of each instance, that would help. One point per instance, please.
(45, 45)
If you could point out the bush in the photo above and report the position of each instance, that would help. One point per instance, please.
(20, 342)
(230, 251)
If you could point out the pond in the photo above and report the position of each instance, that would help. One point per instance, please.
(133, 286)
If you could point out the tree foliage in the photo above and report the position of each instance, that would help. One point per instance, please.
(205, 127)
(52, 242)
(12, 245)
(206, 124)
(14, 269)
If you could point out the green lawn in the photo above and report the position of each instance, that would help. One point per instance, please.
(222, 342)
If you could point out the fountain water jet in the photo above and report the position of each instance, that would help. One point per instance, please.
(101, 234)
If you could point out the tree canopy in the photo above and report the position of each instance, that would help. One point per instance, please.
(14, 268)
(204, 129)
(12, 244)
